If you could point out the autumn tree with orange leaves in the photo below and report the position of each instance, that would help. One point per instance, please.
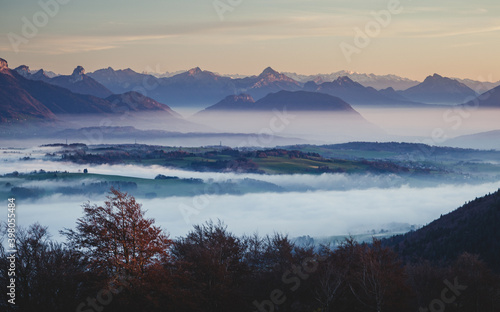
(117, 238)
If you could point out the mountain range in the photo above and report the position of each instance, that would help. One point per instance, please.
(77, 82)
(357, 94)
(368, 80)
(289, 112)
(38, 95)
(194, 87)
(26, 99)
(198, 88)
(436, 89)
(489, 99)
(378, 82)
(16, 102)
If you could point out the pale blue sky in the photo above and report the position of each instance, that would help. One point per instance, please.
(454, 38)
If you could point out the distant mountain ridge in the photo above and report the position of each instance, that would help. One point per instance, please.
(478, 86)
(134, 101)
(357, 94)
(77, 82)
(200, 88)
(197, 87)
(489, 99)
(482, 140)
(194, 87)
(239, 102)
(436, 89)
(288, 100)
(368, 80)
(24, 99)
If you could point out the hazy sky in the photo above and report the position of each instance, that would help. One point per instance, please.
(453, 38)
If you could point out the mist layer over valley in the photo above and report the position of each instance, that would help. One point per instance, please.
(320, 205)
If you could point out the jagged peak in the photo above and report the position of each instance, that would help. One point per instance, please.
(344, 79)
(23, 70)
(269, 71)
(433, 78)
(194, 71)
(3, 64)
(79, 70)
(39, 73)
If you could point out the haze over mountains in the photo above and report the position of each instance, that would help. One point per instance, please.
(489, 99)
(194, 87)
(482, 140)
(77, 82)
(436, 89)
(235, 104)
(199, 88)
(43, 99)
(291, 101)
(310, 115)
(355, 93)
(18, 103)
(368, 80)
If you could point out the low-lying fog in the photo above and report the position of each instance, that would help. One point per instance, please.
(320, 205)
(318, 213)
(323, 205)
(453, 121)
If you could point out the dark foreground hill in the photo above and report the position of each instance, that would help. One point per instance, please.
(472, 228)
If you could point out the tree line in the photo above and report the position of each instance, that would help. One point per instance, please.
(117, 259)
